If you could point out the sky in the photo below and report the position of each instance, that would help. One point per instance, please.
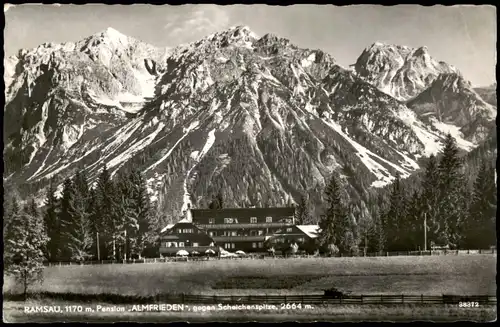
(463, 36)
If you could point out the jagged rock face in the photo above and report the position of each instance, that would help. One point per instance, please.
(451, 100)
(57, 92)
(256, 117)
(399, 71)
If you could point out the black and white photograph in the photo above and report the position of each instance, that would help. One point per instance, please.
(249, 163)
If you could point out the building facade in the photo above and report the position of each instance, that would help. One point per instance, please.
(243, 229)
(185, 236)
(233, 229)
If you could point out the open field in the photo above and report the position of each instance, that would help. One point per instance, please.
(14, 312)
(473, 275)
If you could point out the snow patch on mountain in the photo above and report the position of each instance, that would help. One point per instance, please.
(366, 156)
(307, 62)
(431, 141)
(186, 133)
(455, 132)
(208, 145)
(134, 148)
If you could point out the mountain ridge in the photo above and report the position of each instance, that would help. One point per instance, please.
(260, 118)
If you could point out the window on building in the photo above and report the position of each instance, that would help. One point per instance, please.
(228, 220)
(260, 232)
(260, 245)
(233, 245)
(269, 219)
(234, 233)
(181, 244)
(289, 230)
(254, 245)
(300, 239)
(195, 245)
(211, 233)
(211, 220)
(253, 220)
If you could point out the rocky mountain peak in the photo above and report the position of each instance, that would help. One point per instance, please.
(399, 71)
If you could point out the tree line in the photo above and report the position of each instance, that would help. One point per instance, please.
(458, 210)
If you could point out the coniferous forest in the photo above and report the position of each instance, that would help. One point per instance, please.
(454, 197)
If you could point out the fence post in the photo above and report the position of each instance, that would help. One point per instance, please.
(387, 254)
(155, 260)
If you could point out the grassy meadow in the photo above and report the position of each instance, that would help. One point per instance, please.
(428, 275)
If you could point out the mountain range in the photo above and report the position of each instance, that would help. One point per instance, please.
(258, 118)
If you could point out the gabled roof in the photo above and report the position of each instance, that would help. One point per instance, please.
(310, 230)
(169, 226)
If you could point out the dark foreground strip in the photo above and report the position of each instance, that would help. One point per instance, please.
(473, 300)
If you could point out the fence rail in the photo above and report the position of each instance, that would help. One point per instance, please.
(382, 299)
(267, 256)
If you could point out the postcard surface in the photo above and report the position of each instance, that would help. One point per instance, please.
(242, 163)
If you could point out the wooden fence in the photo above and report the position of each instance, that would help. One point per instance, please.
(281, 300)
(267, 256)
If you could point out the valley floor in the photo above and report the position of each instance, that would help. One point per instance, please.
(428, 275)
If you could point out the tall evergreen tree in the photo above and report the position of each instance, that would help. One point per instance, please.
(105, 203)
(333, 227)
(23, 255)
(66, 217)
(302, 216)
(429, 199)
(395, 216)
(452, 204)
(52, 224)
(480, 226)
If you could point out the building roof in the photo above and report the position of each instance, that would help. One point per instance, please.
(170, 226)
(310, 230)
(242, 212)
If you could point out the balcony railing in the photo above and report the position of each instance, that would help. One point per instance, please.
(219, 239)
(241, 226)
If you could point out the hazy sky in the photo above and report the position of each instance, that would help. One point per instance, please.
(464, 36)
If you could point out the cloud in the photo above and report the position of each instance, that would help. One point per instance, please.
(200, 21)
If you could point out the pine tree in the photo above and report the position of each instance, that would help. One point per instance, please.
(302, 216)
(23, 255)
(66, 218)
(429, 199)
(395, 216)
(452, 203)
(52, 224)
(333, 228)
(480, 225)
(78, 233)
(105, 205)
